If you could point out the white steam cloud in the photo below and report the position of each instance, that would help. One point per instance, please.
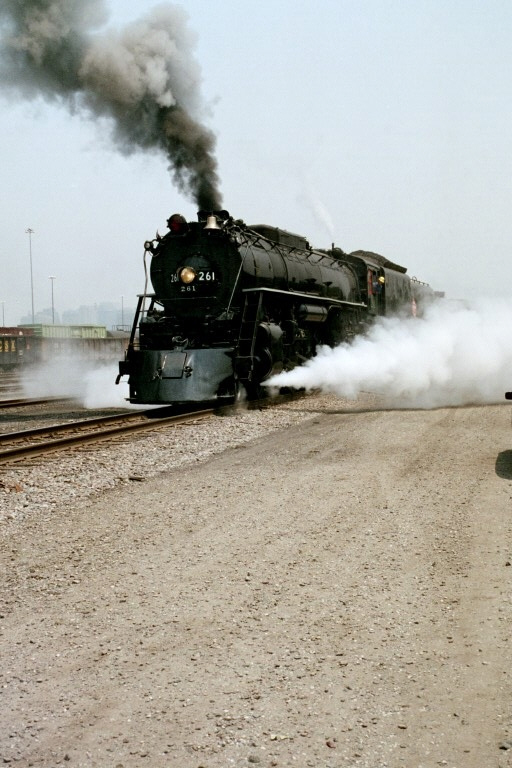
(74, 376)
(456, 354)
(319, 212)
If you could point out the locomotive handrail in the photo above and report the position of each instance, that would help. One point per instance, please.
(242, 260)
(282, 248)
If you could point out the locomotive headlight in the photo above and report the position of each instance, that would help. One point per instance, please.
(188, 275)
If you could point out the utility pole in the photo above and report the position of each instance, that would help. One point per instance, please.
(52, 278)
(30, 232)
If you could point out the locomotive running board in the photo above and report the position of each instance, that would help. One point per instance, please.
(308, 296)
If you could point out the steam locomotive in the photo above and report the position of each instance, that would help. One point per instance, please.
(233, 305)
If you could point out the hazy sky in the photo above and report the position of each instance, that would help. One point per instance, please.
(374, 124)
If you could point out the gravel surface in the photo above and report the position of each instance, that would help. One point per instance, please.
(40, 484)
(322, 585)
(43, 415)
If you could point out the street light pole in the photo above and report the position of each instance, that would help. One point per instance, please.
(3, 313)
(122, 311)
(52, 278)
(30, 232)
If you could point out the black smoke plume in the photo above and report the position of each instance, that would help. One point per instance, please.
(143, 78)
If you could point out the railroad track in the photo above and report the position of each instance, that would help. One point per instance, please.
(29, 443)
(19, 402)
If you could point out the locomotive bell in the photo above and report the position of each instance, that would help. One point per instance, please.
(211, 223)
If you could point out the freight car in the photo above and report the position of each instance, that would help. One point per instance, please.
(28, 345)
(233, 305)
(15, 348)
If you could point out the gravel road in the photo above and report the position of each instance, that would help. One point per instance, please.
(324, 585)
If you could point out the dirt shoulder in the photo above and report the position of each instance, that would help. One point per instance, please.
(336, 594)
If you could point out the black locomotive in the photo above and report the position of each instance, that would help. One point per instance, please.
(233, 305)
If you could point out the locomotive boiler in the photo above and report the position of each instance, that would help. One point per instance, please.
(232, 305)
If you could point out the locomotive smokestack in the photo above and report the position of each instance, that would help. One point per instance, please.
(143, 79)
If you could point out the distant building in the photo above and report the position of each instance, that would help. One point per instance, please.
(105, 313)
(44, 317)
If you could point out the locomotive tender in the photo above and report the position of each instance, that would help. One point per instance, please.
(233, 305)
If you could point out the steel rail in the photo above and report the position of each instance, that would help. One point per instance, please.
(22, 401)
(142, 421)
(19, 452)
(68, 426)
